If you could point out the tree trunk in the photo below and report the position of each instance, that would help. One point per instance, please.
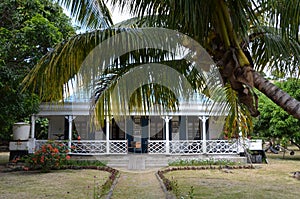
(279, 97)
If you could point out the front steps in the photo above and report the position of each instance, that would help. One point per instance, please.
(149, 161)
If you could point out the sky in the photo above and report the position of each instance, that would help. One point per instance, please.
(117, 16)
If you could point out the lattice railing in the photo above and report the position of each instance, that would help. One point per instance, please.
(157, 147)
(186, 146)
(88, 147)
(118, 147)
(91, 147)
(94, 147)
(40, 143)
(194, 147)
(222, 146)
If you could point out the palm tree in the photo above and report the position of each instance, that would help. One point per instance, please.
(244, 38)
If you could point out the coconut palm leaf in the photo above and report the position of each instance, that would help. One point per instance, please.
(65, 61)
(273, 52)
(225, 28)
(88, 14)
(283, 15)
(239, 118)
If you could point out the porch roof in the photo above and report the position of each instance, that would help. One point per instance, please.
(196, 105)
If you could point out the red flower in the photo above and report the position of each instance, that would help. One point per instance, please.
(55, 150)
(42, 159)
(25, 168)
(51, 155)
(34, 160)
(44, 150)
(15, 160)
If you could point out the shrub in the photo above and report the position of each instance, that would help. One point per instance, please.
(52, 155)
(196, 162)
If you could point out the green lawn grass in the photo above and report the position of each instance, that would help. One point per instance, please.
(4, 157)
(56, 184)
(271, 180)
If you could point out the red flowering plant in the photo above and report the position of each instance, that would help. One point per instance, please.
(51, 155)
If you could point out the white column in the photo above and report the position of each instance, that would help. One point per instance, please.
(167, 120)
(32, 126)
(203, 118)
(107, 134)
(70, 120)
(31, 143)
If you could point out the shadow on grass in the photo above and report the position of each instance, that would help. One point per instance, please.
(285, 156)
(4, 158)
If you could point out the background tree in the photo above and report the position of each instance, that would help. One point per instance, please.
(274, 122)
(28, 30)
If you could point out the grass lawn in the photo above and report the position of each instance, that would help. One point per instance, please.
(71, 184)
(271, 180)
(4, 157)
(56, 184)
(138, 185)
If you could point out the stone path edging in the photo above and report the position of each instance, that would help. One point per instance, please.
(115, 182)
(160, 174)
(164, 188)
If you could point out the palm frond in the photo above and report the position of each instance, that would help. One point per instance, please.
(273, 52)
(142, 22)
(284, 15)
(243, 16)
(98, 60)
(174, 14)
(239, 119)
(273, 26)
(89, 14)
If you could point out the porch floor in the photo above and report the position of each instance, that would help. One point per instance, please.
(138, 161)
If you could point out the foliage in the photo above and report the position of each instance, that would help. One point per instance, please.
(239, 120)
(196, 162)
(226, 29)
(52, 155)
(274, 122)
(14, 106)
(85, 163)
(28, 30)
(174, 187)
(100, 191)
(41, 128)
(114, 174)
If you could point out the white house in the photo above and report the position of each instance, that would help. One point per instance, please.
(194, 128)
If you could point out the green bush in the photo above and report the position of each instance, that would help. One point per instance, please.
(195, 162)
(52, 155)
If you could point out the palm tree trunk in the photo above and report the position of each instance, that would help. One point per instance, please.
(278, 96)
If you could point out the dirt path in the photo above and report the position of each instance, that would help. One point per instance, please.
(138, 185)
